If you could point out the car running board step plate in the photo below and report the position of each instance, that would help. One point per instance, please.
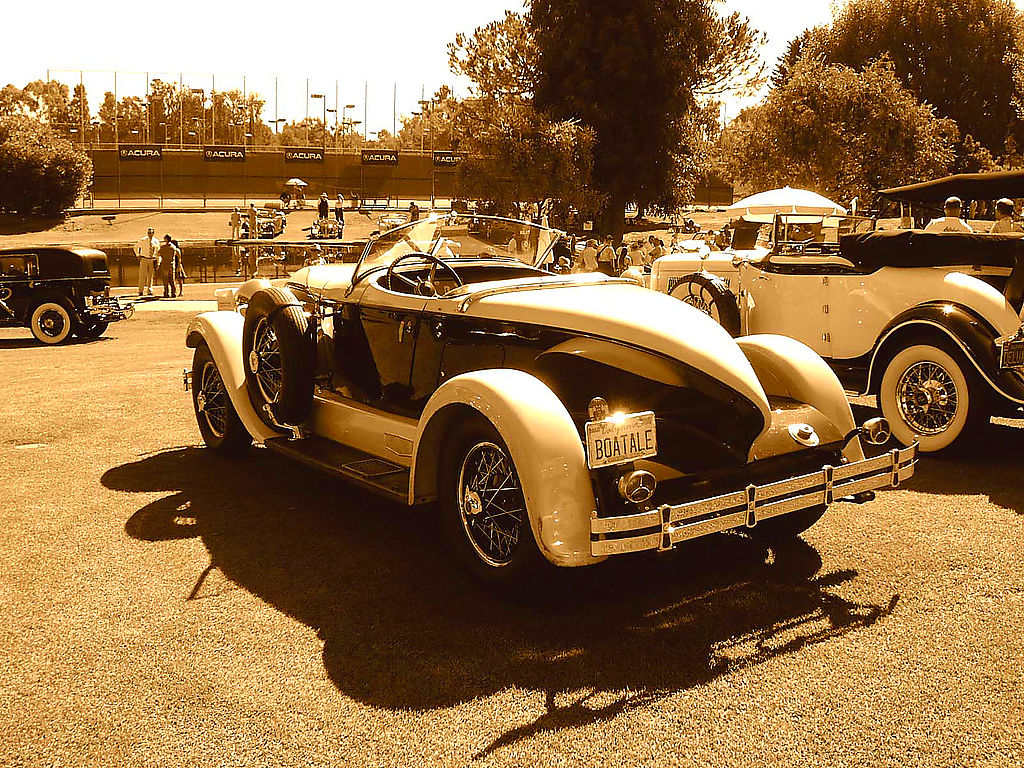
(355, 466)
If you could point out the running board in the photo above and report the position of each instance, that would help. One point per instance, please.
(366, 470)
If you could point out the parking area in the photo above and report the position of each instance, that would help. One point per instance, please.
(163, 606)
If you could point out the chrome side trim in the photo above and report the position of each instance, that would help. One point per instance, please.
(750, 505)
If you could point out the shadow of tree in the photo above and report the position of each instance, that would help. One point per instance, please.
(402, 630)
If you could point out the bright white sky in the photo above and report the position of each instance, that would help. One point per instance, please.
(351, 43)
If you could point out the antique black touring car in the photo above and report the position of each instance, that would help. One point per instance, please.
(555, 419)
(57, 292)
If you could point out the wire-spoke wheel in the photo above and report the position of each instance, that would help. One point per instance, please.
(483, 508)
(265, 360)
(218, 421)
(712, 296)
(491, 504)
(278, 354)
(929, 395)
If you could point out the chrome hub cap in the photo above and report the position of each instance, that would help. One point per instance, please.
(265, 361)
(491, 505)
(927, 398)
(212, 400)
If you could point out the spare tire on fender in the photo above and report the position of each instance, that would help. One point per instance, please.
(711, 295)
(278, 356)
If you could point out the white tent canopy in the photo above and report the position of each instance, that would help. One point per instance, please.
(785, 200)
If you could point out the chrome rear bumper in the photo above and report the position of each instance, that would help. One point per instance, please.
(747, 507)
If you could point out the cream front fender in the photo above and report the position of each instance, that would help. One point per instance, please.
(789, 368)
(222, 333)
(544, 445)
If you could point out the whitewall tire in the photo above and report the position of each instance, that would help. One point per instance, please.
(52, 322)
(930, 396)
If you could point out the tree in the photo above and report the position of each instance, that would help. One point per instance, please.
(41, 173)
(500, 58)
(633, 70)
(964, 57)
(841, 132)
(517, 154)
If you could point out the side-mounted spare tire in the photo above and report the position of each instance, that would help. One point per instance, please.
(278, 357)
(710, 294)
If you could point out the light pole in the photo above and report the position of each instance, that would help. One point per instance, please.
(345, 108)
(323, 101)
(335, 113)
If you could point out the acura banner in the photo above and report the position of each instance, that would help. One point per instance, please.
(224, 154)
(445, 159)
(140, 152)
(303, 154)
(380, 157)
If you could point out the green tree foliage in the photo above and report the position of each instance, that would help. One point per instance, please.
(41, 173)
(634, 71)
(964, 57)
(500, 58)
(841, 132)
(518, 154)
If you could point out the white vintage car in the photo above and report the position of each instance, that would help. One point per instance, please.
(555, 420)
(930, 323)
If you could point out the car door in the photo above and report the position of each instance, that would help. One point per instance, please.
(787, 303)
(391, 327)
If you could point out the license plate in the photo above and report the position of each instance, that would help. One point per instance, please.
(1011, 353)
(620, 439)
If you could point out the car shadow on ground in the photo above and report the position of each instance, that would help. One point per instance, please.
(28, 342)
(403, 630)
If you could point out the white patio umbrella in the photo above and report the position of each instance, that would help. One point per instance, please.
(785, 200)
(296, 183)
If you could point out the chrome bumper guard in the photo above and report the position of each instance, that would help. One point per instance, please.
(748, 507)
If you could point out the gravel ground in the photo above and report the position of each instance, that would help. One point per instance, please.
(166, 607)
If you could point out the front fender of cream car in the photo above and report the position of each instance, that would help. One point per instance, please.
(544, 444)
(222, 333)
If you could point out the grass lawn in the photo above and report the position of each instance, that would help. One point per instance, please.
(163, 607)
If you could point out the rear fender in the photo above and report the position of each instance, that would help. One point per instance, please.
(789, 368)
(222, 333)
(543, 443)
(965, 329)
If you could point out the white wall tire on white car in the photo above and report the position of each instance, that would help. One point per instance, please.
(930, 396)
(52, 322)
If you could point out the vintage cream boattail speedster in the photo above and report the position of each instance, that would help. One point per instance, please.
(554, 419)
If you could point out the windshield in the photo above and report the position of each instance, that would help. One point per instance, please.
(457, 236)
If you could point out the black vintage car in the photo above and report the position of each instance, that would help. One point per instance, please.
(57, 292)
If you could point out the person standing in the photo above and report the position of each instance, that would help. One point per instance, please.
(606, 257)
(236, 223)
(951, 222)
(414, 211)
(323, 208)
(179, 269)
(254, 228)
(339, 215)
(1004, 217)
(587, 261)
(146, 251)
(169, 257)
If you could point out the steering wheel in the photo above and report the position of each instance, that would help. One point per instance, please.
(418, 286)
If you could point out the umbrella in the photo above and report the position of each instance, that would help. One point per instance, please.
(295, 183)
(786, 200)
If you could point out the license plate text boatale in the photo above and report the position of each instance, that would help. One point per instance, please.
(620, 439)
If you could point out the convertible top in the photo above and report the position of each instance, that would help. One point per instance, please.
(970, 186)
(917, 248)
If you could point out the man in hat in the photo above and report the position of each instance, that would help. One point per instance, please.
(951, 222)
(1004, 217)
(323, 208)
